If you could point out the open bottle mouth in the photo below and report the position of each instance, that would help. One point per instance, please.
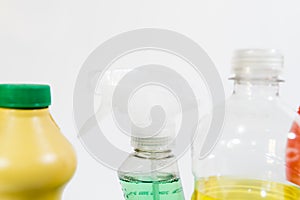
(257, 64)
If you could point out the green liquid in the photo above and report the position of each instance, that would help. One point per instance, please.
(162, 188)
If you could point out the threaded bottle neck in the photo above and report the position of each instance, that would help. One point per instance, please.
(257, 65)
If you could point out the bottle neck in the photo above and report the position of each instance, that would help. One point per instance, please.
(256, 89)
(158, 154)
(24, 112)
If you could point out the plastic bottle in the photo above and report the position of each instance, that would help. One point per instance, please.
(36, 161)
(151, 171)
(293, 153)
(248, 160)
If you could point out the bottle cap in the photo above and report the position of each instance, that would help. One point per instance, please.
(24, 96)
(154, 143)
(148, 140)
(257, 63)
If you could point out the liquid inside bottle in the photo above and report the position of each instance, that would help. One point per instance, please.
(215, 188)
(163, 187)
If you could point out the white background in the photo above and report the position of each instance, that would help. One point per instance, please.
(48, 41)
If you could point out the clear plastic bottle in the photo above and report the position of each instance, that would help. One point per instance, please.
(249, 159)
(151, 171)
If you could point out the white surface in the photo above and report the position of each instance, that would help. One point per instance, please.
(47, 41)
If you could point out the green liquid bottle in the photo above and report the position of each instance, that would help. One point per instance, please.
(151, 172)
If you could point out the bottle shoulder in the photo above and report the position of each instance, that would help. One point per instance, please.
(135, 163)
(255, 123)
(252, 141)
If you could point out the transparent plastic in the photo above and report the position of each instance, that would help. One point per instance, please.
(249, 159)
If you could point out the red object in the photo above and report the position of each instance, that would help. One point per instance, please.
(293, 153)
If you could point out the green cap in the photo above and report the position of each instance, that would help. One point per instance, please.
(24, 96)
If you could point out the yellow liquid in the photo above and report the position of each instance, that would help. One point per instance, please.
(223, 188)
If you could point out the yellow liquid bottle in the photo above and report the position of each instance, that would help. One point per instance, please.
(248, 160)
(36, 161)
